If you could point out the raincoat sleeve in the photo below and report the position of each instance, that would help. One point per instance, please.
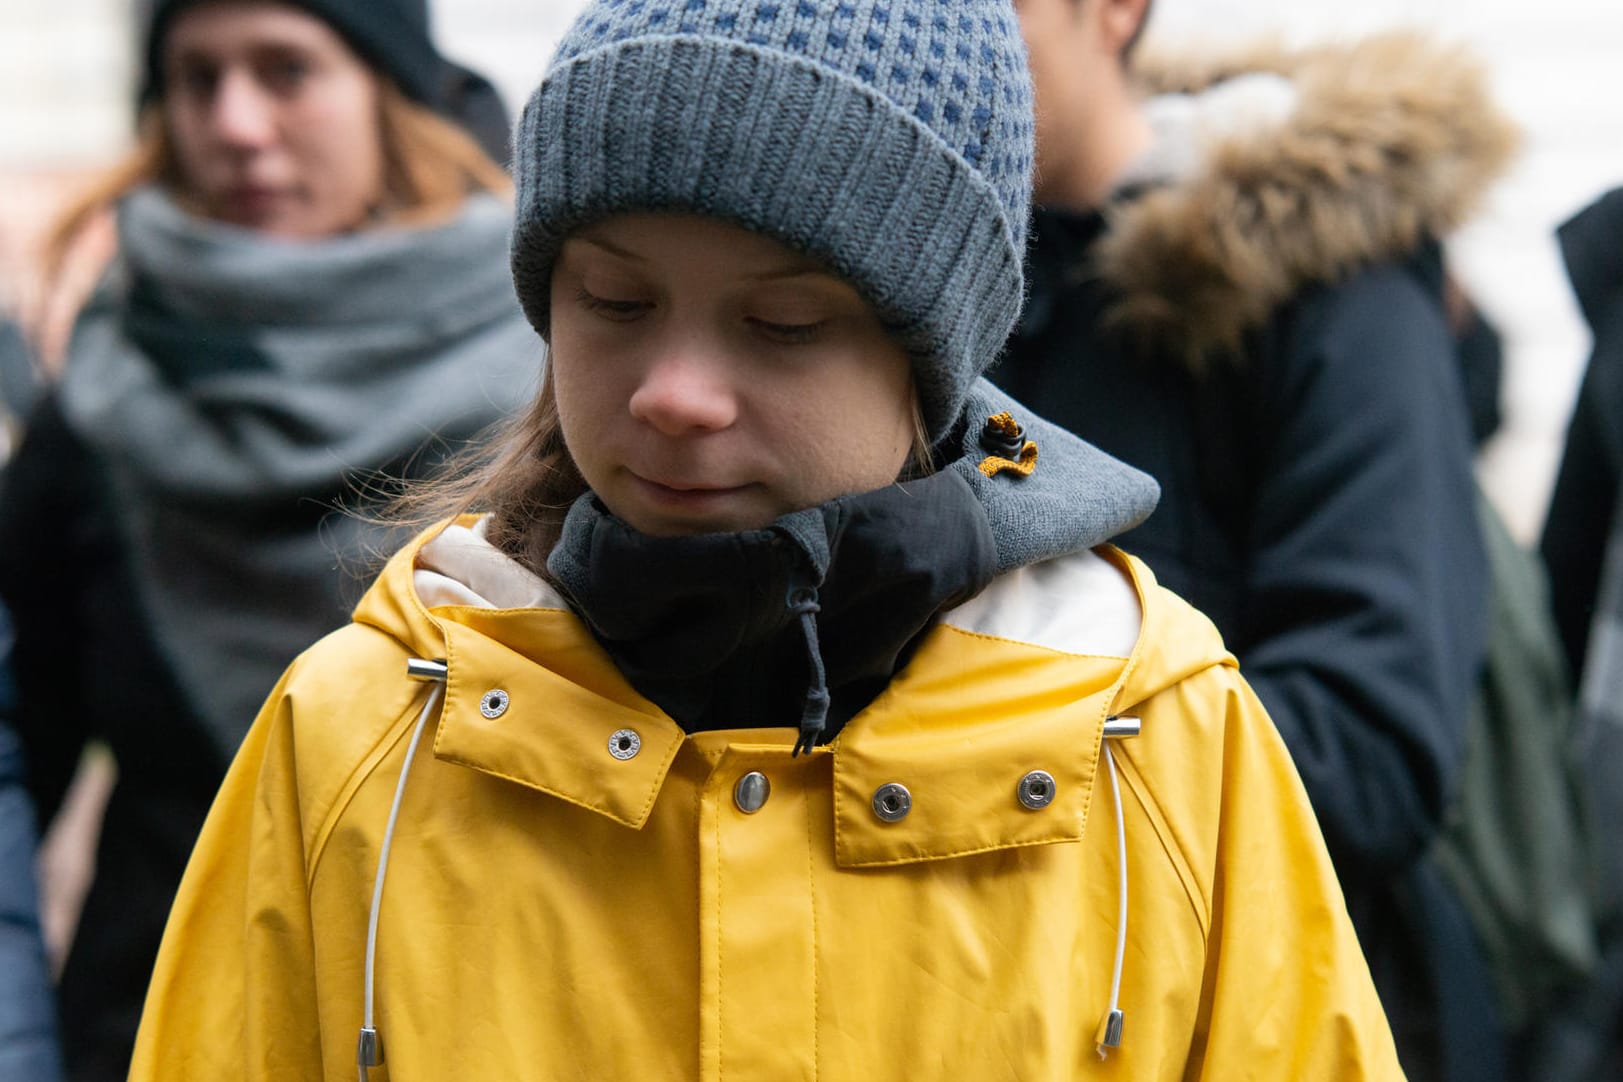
(1286, 992)
(234, 994)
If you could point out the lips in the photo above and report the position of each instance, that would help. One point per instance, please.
(675, 506)
(687, 498)
(251, 202)
(684, 490)
(687, 486)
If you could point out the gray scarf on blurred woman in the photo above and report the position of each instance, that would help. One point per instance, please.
(236, 388)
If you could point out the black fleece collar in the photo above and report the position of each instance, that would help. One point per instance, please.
(1056, 262)
(728, 630)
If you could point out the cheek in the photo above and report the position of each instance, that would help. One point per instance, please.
(591, 361)
(564, 349)
(585, 395)
(188, 141)
(855, 422)
(567, 387)
(888, 427)
(341, 146)
(887, 398)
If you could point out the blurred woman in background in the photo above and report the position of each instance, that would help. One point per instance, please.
(309, 295)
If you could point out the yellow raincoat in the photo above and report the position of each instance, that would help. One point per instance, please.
(575, 891)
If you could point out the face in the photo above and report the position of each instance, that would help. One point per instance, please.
(1074, 49)
(710, 379)
(1062, 72)
(273, 120)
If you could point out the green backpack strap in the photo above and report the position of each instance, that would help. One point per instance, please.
(1517, 842)
(1598, 738)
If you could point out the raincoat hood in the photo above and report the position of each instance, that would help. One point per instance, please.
(1043, 496)
(454, 597)
(450, 595)
(1163, 640)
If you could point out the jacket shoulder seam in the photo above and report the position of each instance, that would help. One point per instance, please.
(386, 741)
(1199, 904)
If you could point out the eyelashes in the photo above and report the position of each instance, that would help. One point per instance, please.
(789, 334)
(617, 310)
(627, 311)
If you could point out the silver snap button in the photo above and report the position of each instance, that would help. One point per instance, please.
(892, 802)
(1037, 789)
(494, 703)
(624, 743)
(751, 792)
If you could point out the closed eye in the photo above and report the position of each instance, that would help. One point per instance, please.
(792, 334)
(284, 73)
(621, 311)
(196, 78)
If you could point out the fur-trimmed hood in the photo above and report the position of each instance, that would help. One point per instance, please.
(1383, 144)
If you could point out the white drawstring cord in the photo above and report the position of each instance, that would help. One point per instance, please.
(1110, 1030)
(369, 1050)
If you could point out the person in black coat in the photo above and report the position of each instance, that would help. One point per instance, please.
(1583, 504)
(1235, 287)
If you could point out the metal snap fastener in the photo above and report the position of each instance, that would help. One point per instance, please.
(892, 802)
(624, 743)
(494, 703)
(751, 792)
(1037, 789)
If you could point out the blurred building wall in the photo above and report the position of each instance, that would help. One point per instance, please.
(65, 76)
(65, 69)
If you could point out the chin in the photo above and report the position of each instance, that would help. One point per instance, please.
(663, 512)
(668, 527)
(664, 523)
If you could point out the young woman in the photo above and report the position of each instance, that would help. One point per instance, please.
(309, 287)
(780, 711)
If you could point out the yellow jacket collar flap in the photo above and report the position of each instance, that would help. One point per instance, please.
(979, 744)
(569, 726)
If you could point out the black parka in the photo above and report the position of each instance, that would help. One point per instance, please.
(1284, 368)
(1583, 505)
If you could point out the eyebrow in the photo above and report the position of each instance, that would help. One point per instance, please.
(803, 268)
(609, 246)
(799, 270)
(190, 54)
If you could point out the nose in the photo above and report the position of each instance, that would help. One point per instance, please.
(241, 113)
(685, 391)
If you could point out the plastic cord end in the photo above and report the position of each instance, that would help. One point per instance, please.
(1109, 1035)
(369, 1049)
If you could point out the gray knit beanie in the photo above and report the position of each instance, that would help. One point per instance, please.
(890, 139)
